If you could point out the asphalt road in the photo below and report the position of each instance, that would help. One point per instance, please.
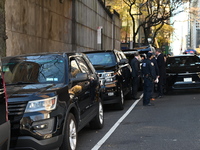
(172, 124)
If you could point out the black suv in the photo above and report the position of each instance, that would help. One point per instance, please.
(115, 75)
(4, 122)
(182, 72)
(51, 96)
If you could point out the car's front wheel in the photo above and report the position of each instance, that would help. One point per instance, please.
(70, 137)
(120, 104)
(98, 121)
(129, 94)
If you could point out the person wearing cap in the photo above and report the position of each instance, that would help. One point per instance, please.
(149, 76)
(135, 65)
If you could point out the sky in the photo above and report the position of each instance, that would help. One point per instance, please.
(178, 44)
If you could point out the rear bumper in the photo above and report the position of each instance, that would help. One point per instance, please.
(183, 81)
(183, 85)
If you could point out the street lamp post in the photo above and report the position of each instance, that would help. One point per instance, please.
(149, 41)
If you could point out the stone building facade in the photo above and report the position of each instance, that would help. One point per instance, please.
(194, 26)
(34, 26)
(3, 36)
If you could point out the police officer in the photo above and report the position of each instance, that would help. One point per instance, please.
(149, 76)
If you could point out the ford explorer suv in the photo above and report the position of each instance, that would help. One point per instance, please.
(51, 96)
(115, 75)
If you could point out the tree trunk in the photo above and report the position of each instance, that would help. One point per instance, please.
(147, 34)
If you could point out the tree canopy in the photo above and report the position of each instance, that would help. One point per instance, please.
(149, 16)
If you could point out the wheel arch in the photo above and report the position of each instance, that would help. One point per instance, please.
(73, 110)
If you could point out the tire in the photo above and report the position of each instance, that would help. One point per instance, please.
(98, 121)
(129, 94)
(169, 90)
(70, 136)
(120, 104)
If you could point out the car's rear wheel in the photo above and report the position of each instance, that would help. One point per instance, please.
(98, 121)
(70, 137)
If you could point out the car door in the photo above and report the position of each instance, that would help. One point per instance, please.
(91, 85)
(125, 70)
(80, 87)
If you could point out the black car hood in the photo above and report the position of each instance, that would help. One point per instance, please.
(31, 91)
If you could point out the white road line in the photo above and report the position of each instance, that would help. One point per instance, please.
(114, 127)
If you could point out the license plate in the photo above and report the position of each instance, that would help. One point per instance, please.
(110, 94)
(187, 79)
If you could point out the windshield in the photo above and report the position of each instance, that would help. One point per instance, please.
(102, 58)
(33, 69)
(182, 61)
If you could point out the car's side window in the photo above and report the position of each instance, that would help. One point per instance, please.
(83, 66)
(74, 68)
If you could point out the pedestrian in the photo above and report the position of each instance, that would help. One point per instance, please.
(149, 76)
(162, 72)
(135, 65)
(153, 59)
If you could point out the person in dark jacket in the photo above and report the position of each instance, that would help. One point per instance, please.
(149, 76)
(157, 75)
(162, 71)
(135, 65)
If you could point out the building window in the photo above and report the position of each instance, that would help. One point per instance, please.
(198, 37)
(197, 25)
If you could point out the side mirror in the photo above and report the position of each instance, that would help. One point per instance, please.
(80, 77)
(123, 61)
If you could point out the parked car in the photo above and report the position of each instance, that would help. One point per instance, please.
(182, 72)
(4, 122)
(51, 96)
(115, 75)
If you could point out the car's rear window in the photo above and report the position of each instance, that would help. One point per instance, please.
(102, 58)
(33, 69)
(182, 61)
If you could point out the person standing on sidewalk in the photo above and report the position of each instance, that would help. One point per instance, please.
(149, 76)
(135, 65)
(153, 59)
(162, 71)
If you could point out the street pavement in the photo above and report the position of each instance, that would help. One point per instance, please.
(172, 124)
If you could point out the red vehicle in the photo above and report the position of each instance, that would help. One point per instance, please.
(4, 122)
